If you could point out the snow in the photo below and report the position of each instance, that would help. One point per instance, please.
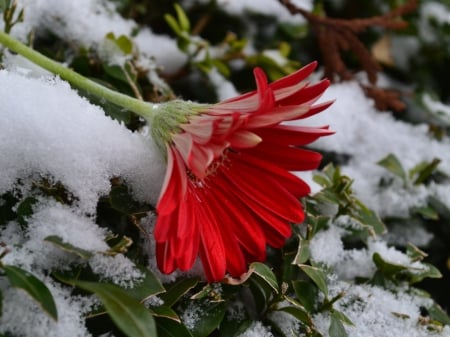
(327, 247)
(368, 136)
(376, 312)
(55, 132)
(263, 7)
(257, 329)
(23, 316)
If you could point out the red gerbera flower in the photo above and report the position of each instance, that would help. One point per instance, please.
(228, 190)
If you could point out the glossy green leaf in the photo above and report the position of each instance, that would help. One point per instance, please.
(149, 286)
(177, 290)
(24, 210)
(429, 271)
(22, 279)
(387, 268)
(438, 314)
(58, 242)
(261, 292)
(302, 251)
(170, 328)
(164, 311)
(427, 212)
(393, 165)
(336, 327)
(233, 328)
(423, 171)
(301, 314)
(183, 20)
(370, 218)
(130, 316)
(172, 22)
(317, 275)
(306, 293)
(208, 318)
(342, 317)
(266, 274)
(125, 44)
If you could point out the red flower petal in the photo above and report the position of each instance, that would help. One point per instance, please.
(289, 158)
(292, 135)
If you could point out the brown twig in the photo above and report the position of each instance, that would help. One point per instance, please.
(335, 36)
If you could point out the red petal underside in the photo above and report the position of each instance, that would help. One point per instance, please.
(165, 261)
(316, 109)
(292, 135)
(267, 192)
(276, 116)
(306, 95)
(295, 77)
(212, 250)
(289, 158)
(289, 181)
(236, 263)
(244, 225)
(174, 185)
(275, 228)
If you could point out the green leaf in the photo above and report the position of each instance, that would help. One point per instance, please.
(427, 212)
(317, 275)
(336, 327)
(370, 218)
(436, 313)
(387, 268)
(25, 209)
(164, 311)
(233, 328)
(208, 317)
(183, 20)
(177, 290)
(130, 316)
(429, 271)
(414, 253)
(306, 293)
(172, 22)
(424, 170)
(58, 242)
(170, 328)
(342, 317)
(393, 165)
(149, 286)
(125, 44)
(22, 279)
(302, 251)
(266, 274)
(301, 314)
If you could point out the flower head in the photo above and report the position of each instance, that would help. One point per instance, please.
(228, 190)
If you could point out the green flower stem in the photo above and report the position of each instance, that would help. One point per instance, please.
(144, 109)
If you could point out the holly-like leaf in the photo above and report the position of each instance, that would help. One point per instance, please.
(149, 286)
(208, 317)
(177, 290)
(336, 327)
(393, 165)
(22, 279)
(302, 251)
(170, 328)
(58, 242)
(129, 315)
(317, 275)
(306, 293)
(266, 274)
